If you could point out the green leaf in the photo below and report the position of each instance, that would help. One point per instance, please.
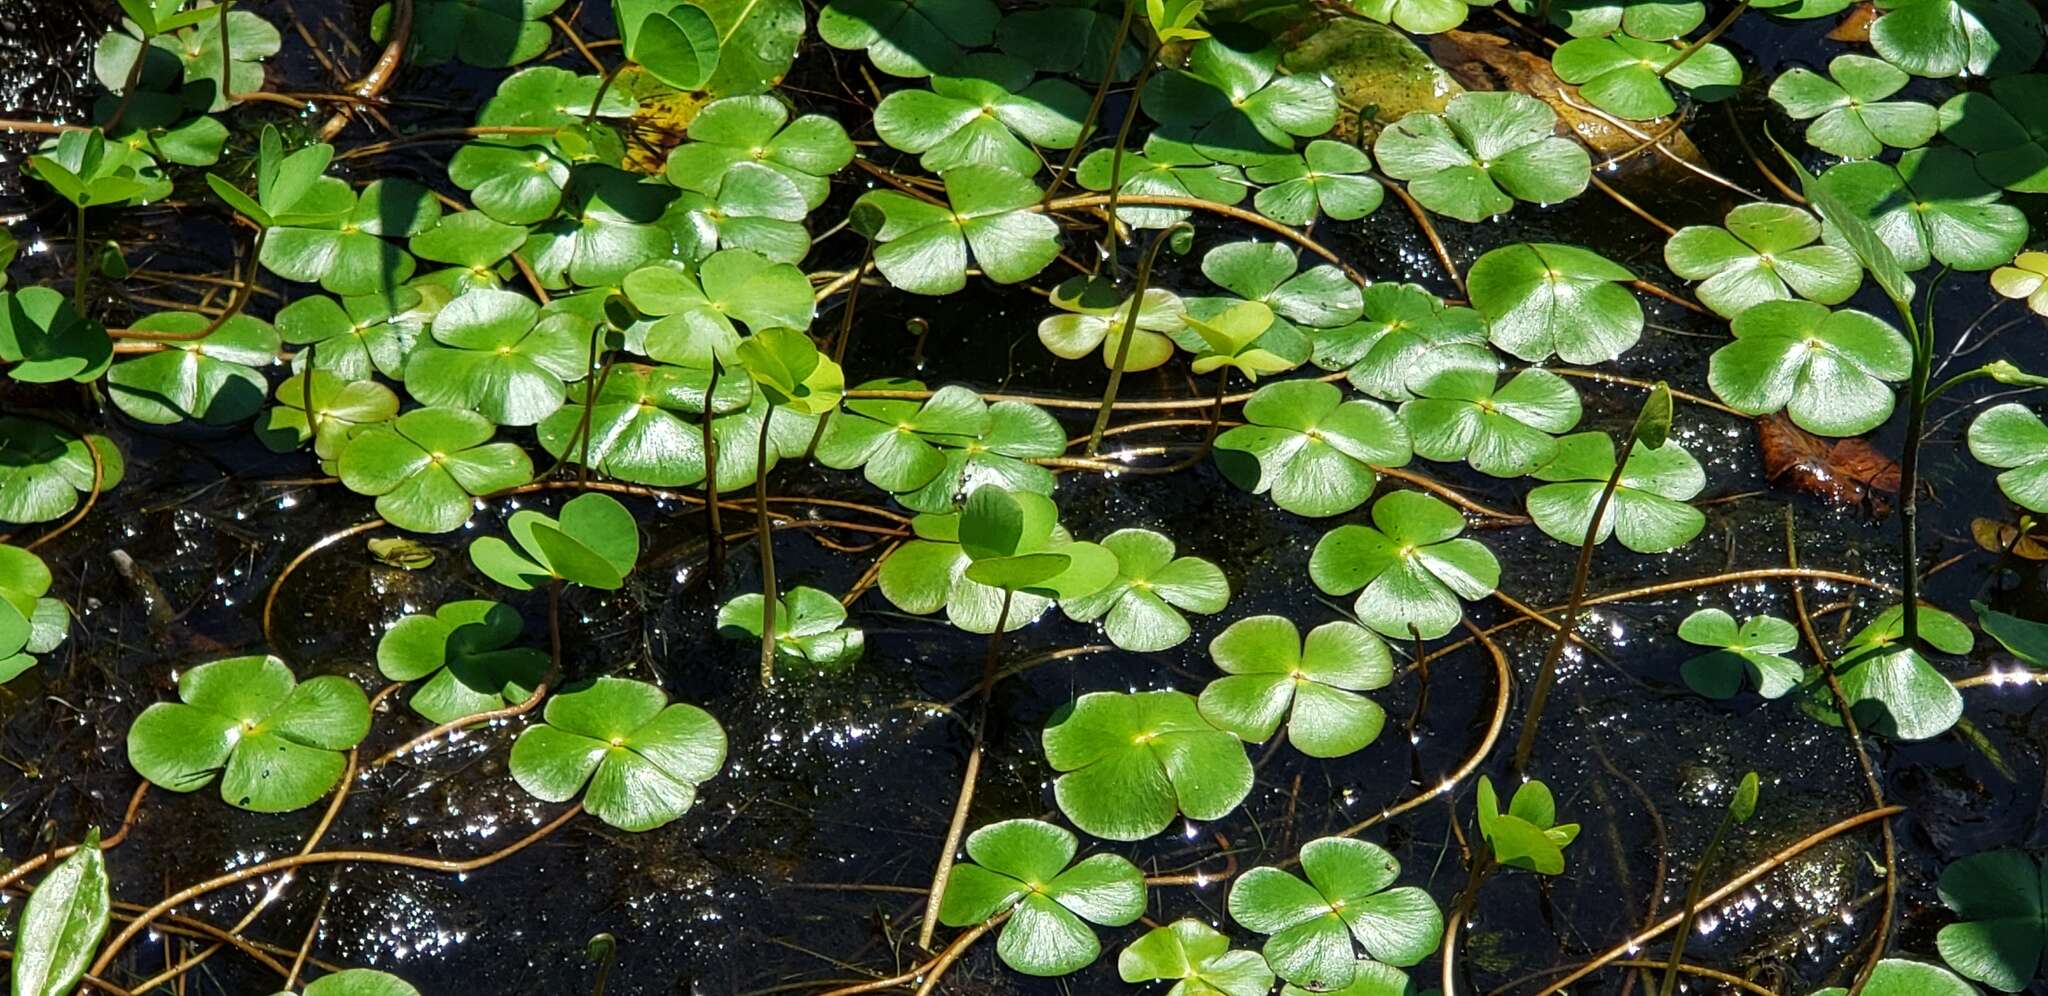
(677, 44)
(788, 368)
(929, 573)
(608, 228)
(359, 982)
(1347, 897)
(23, 580)
(514, 184)
(1018, 866)
(1314, 451)
(493, 352)
(2024, 638)
(924, 247)
(1899, 977)
(1165, 168)
(641, 758)
(492, 34)
(213, 380)
(1850, 115)
(1542, 299)
(1328, 178)
(1232, 105)
(1410, 567)
(1942, 38)
(2001, 898)
(2003, 129)
(276, 742)
(357, 336)
(46, 340)
(2012, 438)
(897, 442)
(1625, 75)
(807, 628)
(62, 923)
(464, 652)
(44, 469)
(1648, 511)
(909, 37)
(736, 130)
(1199, 957)
(1320, 296)
(594, 543)
(1130, 763)
(1272, 675)
(325, 409)
(1405, 334)
(757, 41)
(425, 466)
(1931, 206)
(983, 111)
(1751, 655)
(1461, 412)
(1421, 17)
(1527, 836)
(1093, 316)
(1141, 610)
(1483, 153)
(1833, 371)
(548, 97)
(1765, 253)
(1891, 687)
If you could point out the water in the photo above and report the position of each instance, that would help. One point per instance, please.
(849, 781)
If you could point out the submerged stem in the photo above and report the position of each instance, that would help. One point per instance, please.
(1130, 330)
(958, 825)
(767, 551)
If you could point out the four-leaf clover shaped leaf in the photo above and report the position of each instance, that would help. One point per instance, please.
(1931, 206)
(1234, 106)
(213, 380)
(929, 573)
(1093, 317)
(1463, 412)
(2005, 130)
(893, 440)
(516, 184)
(321, 407)
(1350, 895)
(490, 34)
(641, 757)
(44, 469)
(1410, 567)
(1543, 298)
(1890, 685)
(495, 353)
(1141, 609)
(348, 253)
(1943, 38)
(1328, 178)
(1627, 76)
(2002, 898)
(1851, 117)
(1832, 371)
(464, 651)
(2010, 437)
(1483, 153)
(1528, 835)
(45, 340)
(1027, 867)
(909, 37)
(1198, 958)
(1648, 511)
(924, 246)
(1167, 168)
(1320, 296)
(357, 336)
(809, 627)
(1749, 655)
(1899, 977)
(276, 742)
(424, 467)
(2024, 279)
(1762, 252)
(1273, 674)
(1400, 339)
(1130, 762)
(1313, 450)
(975, 112)
(758, 130)
(593, 542)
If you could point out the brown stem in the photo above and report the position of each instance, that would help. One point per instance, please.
(956, 827)
(386, 67)
(1094, 115)
(1123, 346)
(767, 544)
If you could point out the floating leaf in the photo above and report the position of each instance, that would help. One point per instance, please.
(2010, 437)
(213, 380)
(62, 923)
(1419, 17)
(1273, 674)
(1942, 38)
(276, 742)
(465, 654)
(1130, 763)
(216, 68)
(641, 758)
(1628, 77)
(1899, 977)
(548, 97)
(695, 309)
(424, 467)
(982, 111)
(1027, 868)
(1931, 206)
(726, 133)
(646, 427)
(929, 573)
(357, 336)
(592, 542)
(607, 230)
(1093, 317)
(2024, 638)
(1832, 371)
(517, 184)
(2002, 900)
(1320, 296)
(2004, 130)
(1763, 252)
(895, 442)
(1198, 958)
(1751, 655)
(1141, 609)
(1070, 39)
(492, 34)
(924, 247)
(1350, 895)
(494, 353)
(359, 982)
(325, 409)
(1543, 298)
(1483, 153)
(909, 37)
(1234, 106)
(1410, 567)
(757, 41)
(1314, 451)
(1328, 178)
(1401, 339)
(1648, 511)
(43, 469)
(348, 254)
(2026, 279)
(676, 43)
(45, 339)
(1166, 168)
(1891, 687)
(1850, 114)
(1462, 412)
(809, 627)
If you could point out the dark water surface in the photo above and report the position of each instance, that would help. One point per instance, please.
(851, 780)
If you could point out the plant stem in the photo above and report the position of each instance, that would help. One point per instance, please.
(603, 84)
(1692, 903)
(1116, 48)
(714, 536)
(1909, 469)
(1116, 154)
(958, 826)
(766, 539)
(1547, 676)
(78, 258)
(1123, 346)
(839, 342)
(1702, 42)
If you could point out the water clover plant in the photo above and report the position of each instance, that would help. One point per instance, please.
(758, 129)
(607, 228)
(30, 622)
(275, 741)
(694, 310)
(1399, 339)
(1747, 656)
(356, 336)
(1900, 977)
(1957, 37)
(1272, 674)
(1631, 77)
(924, 247)
(358, 982)
(1327, 179)
(2024, 279)
(1410, 567)
(592, 542)
(928, 452)
(1762, 252)
(45, 468)
(46, 340)
(464, 651)
(1130, 762)
(1093, 317)
(325, 409)
(2023, 638)
(1648, 511)
(1228, 340)
(1849, 110)
(346, 251)
(2003, 129)
(426, 465)
(640, 757)
(487, 33)
(1349, 896)
(1931, 206)
(1199, 960)
(1528, 835)
(493, 352)
(1463, 412)
(2012, 438)
(1164, 167)
(214, 380)
(1832, 371)
(910, 37)
(1311, 449)
(1543, 299)
(1482, 154)
(1141, 610)
(982, 111)
(517, 184)
(62, 923)
(1013, 541)
(1890, 686)
(1235, 106)
(811, 627)
(1027, 868)
(1265, 272)
(2001, 900)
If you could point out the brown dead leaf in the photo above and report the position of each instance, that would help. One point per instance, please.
(1855, 25)
(1845, 471)
(1999, 537)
